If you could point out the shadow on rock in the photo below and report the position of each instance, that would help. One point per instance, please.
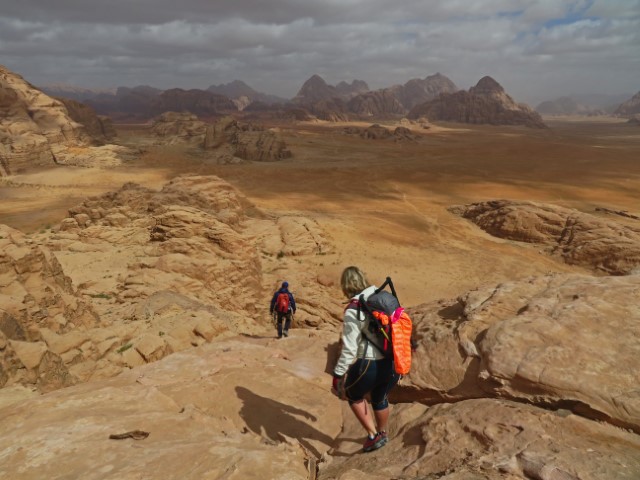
(276, 420)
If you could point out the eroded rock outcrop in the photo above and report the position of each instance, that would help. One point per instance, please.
(559, 341)
(135, 275)
(576, 237)
(227, 140)
(175, 127)
(36, 130)
(37, 302)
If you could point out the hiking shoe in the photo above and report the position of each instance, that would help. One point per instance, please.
(384, 438)
(285, 333)
(374, 443)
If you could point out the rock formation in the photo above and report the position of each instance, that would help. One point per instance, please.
(226, 141)
(417, 91)
(487, 102)
(377, 104)
(563, 106)
(378, 132)
(134, 275)
(231, 139)
(525, 380)
(238, 88)
(174, 127)
(36, 130)
(577, 238)
(199, 102)
(315, 90)
(99, 127)
(630, 107)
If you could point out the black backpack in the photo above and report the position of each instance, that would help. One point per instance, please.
(374, 332)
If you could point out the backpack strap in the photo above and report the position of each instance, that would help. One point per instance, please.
(390, 283)
(362, 306)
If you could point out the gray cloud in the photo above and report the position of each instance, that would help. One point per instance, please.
(536, 50)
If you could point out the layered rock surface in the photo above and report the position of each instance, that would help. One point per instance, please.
(246, 404)
(577, 238)
(146, 274)
(36, 130)
(530, 379)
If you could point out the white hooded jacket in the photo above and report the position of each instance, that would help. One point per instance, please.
(354, 344)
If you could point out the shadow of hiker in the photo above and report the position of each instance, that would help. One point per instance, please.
(270, 418)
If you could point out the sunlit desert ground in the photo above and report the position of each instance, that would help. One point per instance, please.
(385, 203)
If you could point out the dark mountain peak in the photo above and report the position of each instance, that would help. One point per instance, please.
(487, 85)
(315, 81)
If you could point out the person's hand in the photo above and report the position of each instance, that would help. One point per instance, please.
(337, 386)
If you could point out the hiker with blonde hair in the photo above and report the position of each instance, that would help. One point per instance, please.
(362, 369)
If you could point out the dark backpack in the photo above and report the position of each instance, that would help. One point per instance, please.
(388, 326)
(282, 302)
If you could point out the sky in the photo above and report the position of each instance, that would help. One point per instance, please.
(537, 50)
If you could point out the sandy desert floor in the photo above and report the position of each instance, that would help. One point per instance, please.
(384, 203)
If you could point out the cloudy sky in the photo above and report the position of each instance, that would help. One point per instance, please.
(537, 50)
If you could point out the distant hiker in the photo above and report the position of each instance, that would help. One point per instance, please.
(284, 306)
(367, 369)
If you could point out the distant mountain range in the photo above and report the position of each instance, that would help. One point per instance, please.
(434, 97)
(582, 104)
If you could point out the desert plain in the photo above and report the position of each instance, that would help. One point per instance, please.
(487, 398)
(384, 202)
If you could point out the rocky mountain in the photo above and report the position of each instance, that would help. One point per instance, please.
(79, 94)
(379, 103)
(237, 89)
(563, 106)
(347, 90)
(630, 107)
(126, 103)
(355, 100)
(417, 91)
(599, 101)
(199, 102)
(144, 102)
(485, 103)
(315, 90)
(36, 130)
(100, 127)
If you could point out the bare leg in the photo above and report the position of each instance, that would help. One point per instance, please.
(362, 412)
(382, 418)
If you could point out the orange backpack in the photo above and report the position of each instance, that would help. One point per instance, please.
(282, 302)
(389, 327)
